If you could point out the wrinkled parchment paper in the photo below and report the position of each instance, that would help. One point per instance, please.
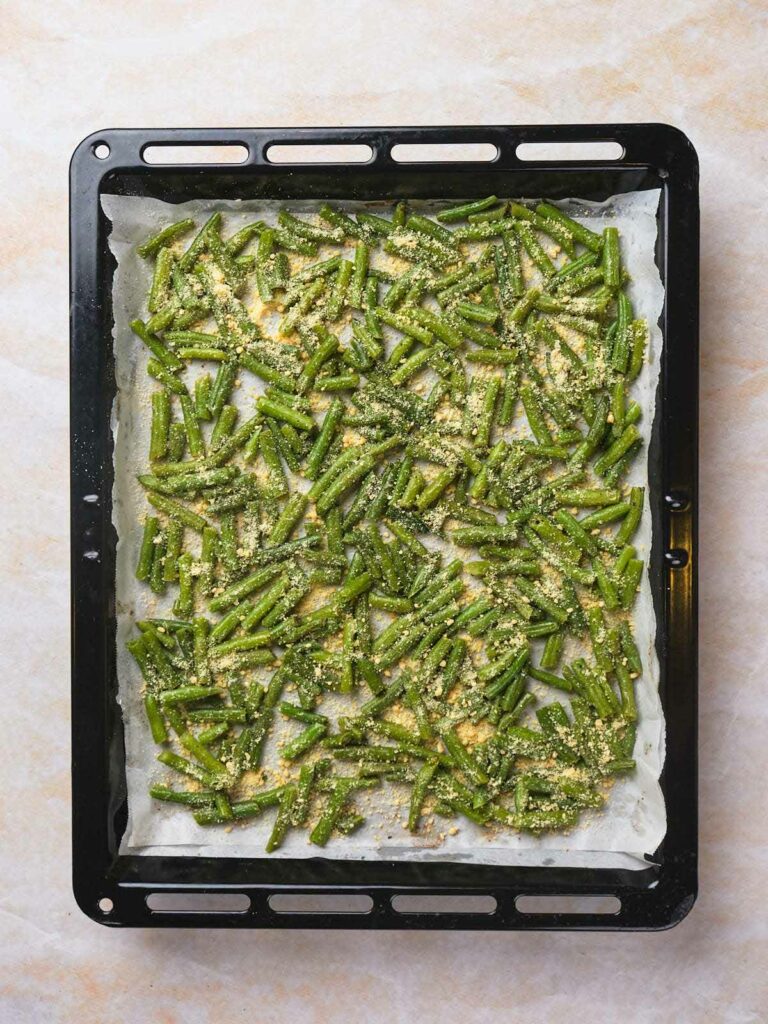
(633, 822)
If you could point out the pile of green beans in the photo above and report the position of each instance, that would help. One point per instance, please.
(423, 520)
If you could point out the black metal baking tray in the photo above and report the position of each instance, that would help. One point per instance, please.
(114, 889)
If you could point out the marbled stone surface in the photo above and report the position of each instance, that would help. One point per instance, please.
(70, 68)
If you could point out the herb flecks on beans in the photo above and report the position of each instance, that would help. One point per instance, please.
(410, 562)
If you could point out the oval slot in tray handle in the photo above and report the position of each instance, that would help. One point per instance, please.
(207, 153)
(318, 153)
(567, 151)
(443, 152)
(564, 904)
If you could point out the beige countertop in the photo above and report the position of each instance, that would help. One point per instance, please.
(71, 68)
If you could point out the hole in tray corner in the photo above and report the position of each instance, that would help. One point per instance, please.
(566, 151)
(100, 150)
(425, 903)
(320, 903)
(198, 902)
(319, 153)
(677, 501)
(444, 152)
(106, 905)
(210, 153)
(677, 558)
(568, 904)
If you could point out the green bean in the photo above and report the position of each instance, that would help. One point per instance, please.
(606, 514)
(627, 440)
(224, 426)
(595, 434)
(588, 497)
(209, 549)
(524, 305)
(552, 651)
(161, 421)
(303, 229)
(200, 241)
(468, 283)
(555, 229)
(341, 382)
(177, 442)
(338, 295)
(483, 230)
(341, 792)
(283, 820)
(473, 536)
(304, 741)
(167, 359)
(264, 256)
(181, 764)
(174, 539)
(464, 210)
(638, 344)
(419, 792)
(627, 694)
(197, 798)
(202, 397)
(630, 582)
(462, 758)
(611, 258)
(341, 482)
(417, 247)
(534, 249)
(498, 213)
(535, 416)
(155, 719)
(265, 372)
(147, 551)
(580, 233)
(477, 311)
(416, 222)
(241, 238)
(575, 268)
(621, 346)
(161, 280)
(155, 243)
(606, 585)
(178, 512)
(634, 513)
(540, 598)
(156, 576)
(375, 225)
(191, 426)
(327, 347)
(341, 222)
(506, 667)
(434, 489)
(629, 648)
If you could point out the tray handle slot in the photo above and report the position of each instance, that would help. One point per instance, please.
(318, 153)
(427, 903)
(560, 152)
(444, 152)
(198, 902)
(194, 153)
(562, 904)
(320, 903)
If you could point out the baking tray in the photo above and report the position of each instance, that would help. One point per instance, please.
(114, 889)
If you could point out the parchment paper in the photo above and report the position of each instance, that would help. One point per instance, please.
(633, 822)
